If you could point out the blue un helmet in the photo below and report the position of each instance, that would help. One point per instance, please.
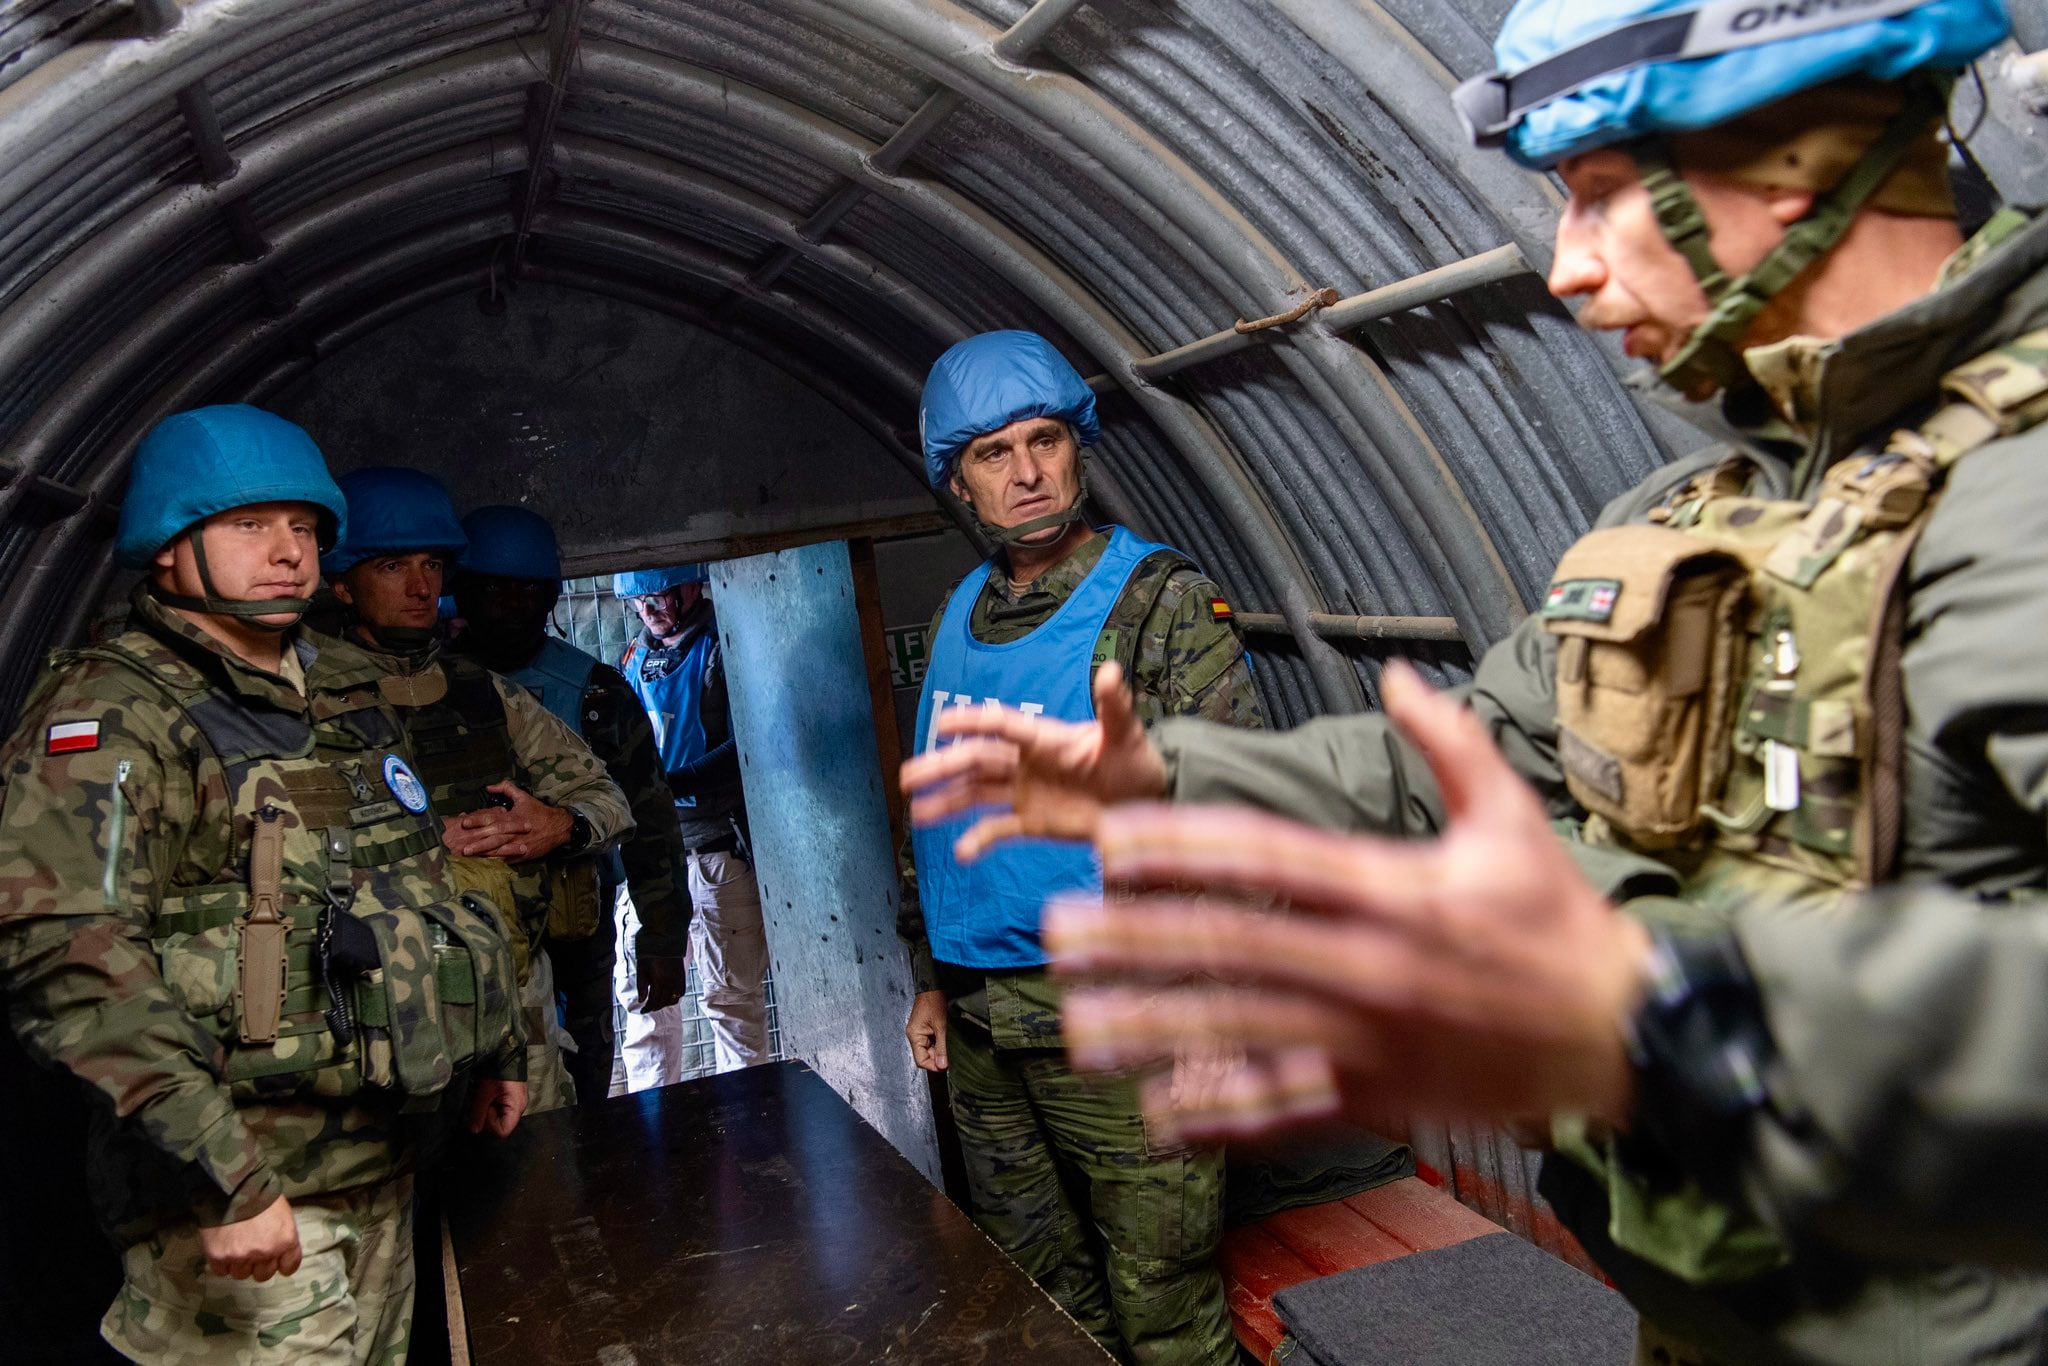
(204, 461)
(510, 542)
(641, 583)
(393, 511)
(1581, 74)
(985, 383)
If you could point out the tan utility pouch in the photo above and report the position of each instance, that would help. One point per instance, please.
(1648, 622)
(574, 893)
(493, 878)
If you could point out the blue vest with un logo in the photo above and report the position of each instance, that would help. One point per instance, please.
(985, 914)
(559, 676)
(674, 701)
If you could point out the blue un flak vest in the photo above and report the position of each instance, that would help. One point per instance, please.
(985, 914)
(559, 675)
(674, 702)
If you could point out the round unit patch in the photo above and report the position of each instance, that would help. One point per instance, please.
(404, 784)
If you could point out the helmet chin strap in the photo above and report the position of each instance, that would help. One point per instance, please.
(250, 611)
(1015, 535)
(1711, 357)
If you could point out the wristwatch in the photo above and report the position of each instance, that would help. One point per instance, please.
(1699, 1044)
(581, 835)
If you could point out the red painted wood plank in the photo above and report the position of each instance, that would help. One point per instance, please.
(1420, 1215)
(1333, 1237)
(1255, 1267)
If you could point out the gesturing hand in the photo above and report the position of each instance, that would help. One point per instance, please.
(1478, 974)
(528, 829)
(1052, 777)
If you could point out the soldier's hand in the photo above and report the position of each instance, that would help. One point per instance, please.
(1053, 778)
(927, 1030)
(1478, 974)
(661, 982)
(256, 1248)
(497, 1106)
(528, 829)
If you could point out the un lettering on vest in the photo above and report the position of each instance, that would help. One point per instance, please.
(942, 699)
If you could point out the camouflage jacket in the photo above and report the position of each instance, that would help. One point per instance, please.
(113, 802)
(615, 727)
(1975, 817)
(1183, 660)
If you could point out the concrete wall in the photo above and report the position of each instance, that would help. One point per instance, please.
(644, 438)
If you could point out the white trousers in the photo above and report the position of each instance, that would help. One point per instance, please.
(729, 948)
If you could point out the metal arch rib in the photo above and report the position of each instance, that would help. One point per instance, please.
(1127, 164)
(1044, 281)
(98, 84)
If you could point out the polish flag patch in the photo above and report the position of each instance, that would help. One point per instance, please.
(72, 737)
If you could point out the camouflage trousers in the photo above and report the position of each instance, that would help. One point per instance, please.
(349, 1303)
(1121, 1233)
(548, 1084)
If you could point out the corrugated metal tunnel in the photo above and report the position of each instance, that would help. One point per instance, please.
(672, 272)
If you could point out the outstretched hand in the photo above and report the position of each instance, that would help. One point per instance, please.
(1048, 779)
(1478, 974)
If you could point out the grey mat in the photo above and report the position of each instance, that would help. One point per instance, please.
(1491, 1301)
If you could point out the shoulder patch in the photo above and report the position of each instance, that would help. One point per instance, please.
(72, 737)
(1219, 610)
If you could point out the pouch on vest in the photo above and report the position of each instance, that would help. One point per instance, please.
(1647, 620)
(492, 879)
(574, 897)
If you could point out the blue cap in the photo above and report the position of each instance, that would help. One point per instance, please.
(511, 542)
(640, 583)
(1580, 74)
(985, 383)
(393, 511)
(194, 464)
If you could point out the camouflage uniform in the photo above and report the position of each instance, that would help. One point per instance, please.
(126, 876)
(469, 728)
(1971, 674)
(1135, 1263)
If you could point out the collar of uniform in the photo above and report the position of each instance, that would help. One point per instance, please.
(1790, 372)
(1059, 581)
(695, 622)
(1869, 381)
(390, 662)
(220, 665)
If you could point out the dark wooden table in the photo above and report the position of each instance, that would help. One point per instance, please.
(750, 1217)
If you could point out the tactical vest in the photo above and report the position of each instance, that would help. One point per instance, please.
(331, 839)
(462, 742)
(459, 735)
(1729, 695)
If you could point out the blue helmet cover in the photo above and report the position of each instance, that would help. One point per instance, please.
(1700, 92)
(204, 461)
(640, 583)
(987, 382)
(393, 511)
(511, 542)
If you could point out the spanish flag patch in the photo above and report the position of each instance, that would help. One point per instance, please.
(72, 737)
(1219, 610)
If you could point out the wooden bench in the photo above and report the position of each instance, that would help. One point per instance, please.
(1260, 1260)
